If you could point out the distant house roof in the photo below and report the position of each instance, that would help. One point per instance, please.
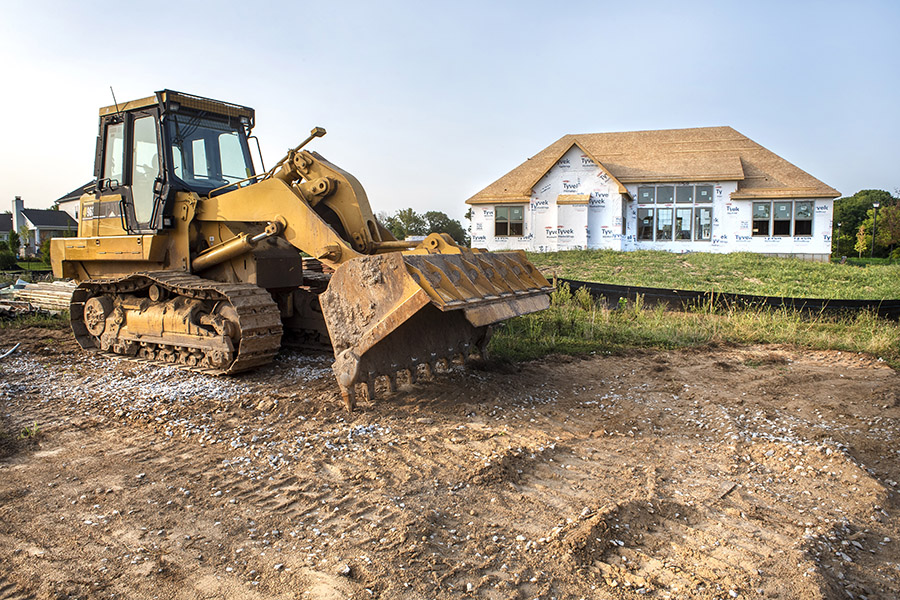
(5, 223)
(76, 193)
(669, 155)
(49, 218)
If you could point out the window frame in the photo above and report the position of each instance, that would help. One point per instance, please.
(698, 229)
(792, 220)
(779, 224)
(809, 219)
(508, 221)
(675, 198)
(690, 219)
(650, 213)
(660, 211)
(642, 193)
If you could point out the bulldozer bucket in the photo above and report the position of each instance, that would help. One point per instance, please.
(390, 313)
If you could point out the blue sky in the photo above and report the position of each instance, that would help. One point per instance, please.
(426, 103)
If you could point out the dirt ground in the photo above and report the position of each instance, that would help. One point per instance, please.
(719, 473)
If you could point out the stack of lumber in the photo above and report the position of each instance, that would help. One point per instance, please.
(10, 309)
(49, 296)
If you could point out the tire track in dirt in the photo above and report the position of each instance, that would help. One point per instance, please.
(596, 478)
(9, 591)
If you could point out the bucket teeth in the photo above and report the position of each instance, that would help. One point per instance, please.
(365, 388)
(349, 397)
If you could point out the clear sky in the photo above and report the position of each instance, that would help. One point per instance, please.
(428, 102)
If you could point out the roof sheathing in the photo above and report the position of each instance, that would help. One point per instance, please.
(671, 155)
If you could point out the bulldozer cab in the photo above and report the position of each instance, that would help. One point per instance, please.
(149, 149)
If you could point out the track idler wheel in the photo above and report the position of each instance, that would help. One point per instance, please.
(96, 310)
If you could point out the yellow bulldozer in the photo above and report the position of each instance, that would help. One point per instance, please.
(186, 256)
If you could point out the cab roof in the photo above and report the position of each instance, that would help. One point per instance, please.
(171, 99)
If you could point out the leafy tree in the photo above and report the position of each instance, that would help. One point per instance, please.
(862, 240)
(7, 260)
(438, 222)
(851, 212)
(24, 239)
(403, 223)
(14, 242)
(407, 222)
(45, 251)
(3, 245)
(887, 229)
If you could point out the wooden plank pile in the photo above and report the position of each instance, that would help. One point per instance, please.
(10, 309)
(53, 296)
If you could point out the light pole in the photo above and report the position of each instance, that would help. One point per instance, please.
(875, 205)
(838, 244)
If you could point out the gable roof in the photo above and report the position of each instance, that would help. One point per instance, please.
(77, 193)
(49, 218)
(5, 222)
(669, 155)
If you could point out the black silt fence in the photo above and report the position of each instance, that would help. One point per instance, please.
(681, 298)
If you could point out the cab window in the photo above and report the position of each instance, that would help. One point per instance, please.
(144, 168)
(114, 153)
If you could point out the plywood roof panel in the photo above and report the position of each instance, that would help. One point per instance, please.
(698, 154)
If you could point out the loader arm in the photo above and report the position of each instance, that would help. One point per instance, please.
(277, 200)
(390, 305)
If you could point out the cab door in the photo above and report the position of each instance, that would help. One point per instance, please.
(128, 177)
(145, 175)
(101, 215)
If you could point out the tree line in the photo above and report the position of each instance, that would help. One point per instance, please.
(855, 219)
(406, 222)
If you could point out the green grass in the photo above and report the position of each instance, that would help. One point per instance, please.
(740, 273)
(577, 325)
(34, 265)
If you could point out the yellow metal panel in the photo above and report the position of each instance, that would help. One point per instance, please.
(121, 247)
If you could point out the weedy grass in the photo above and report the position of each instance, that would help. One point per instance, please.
(576, 324)
(29, 433)
(739, 272)
(42, 320)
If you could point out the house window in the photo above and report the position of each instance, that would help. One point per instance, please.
(704, 194)
(663, 224)
(761, 213)
(664, 194)
(803, 212)
(645, 224)
(703, 224)
(782, 219)
(684, 194)
(687, 222)
(509, 221)
(682, 223)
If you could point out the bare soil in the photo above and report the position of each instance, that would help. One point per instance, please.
(729, 472)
